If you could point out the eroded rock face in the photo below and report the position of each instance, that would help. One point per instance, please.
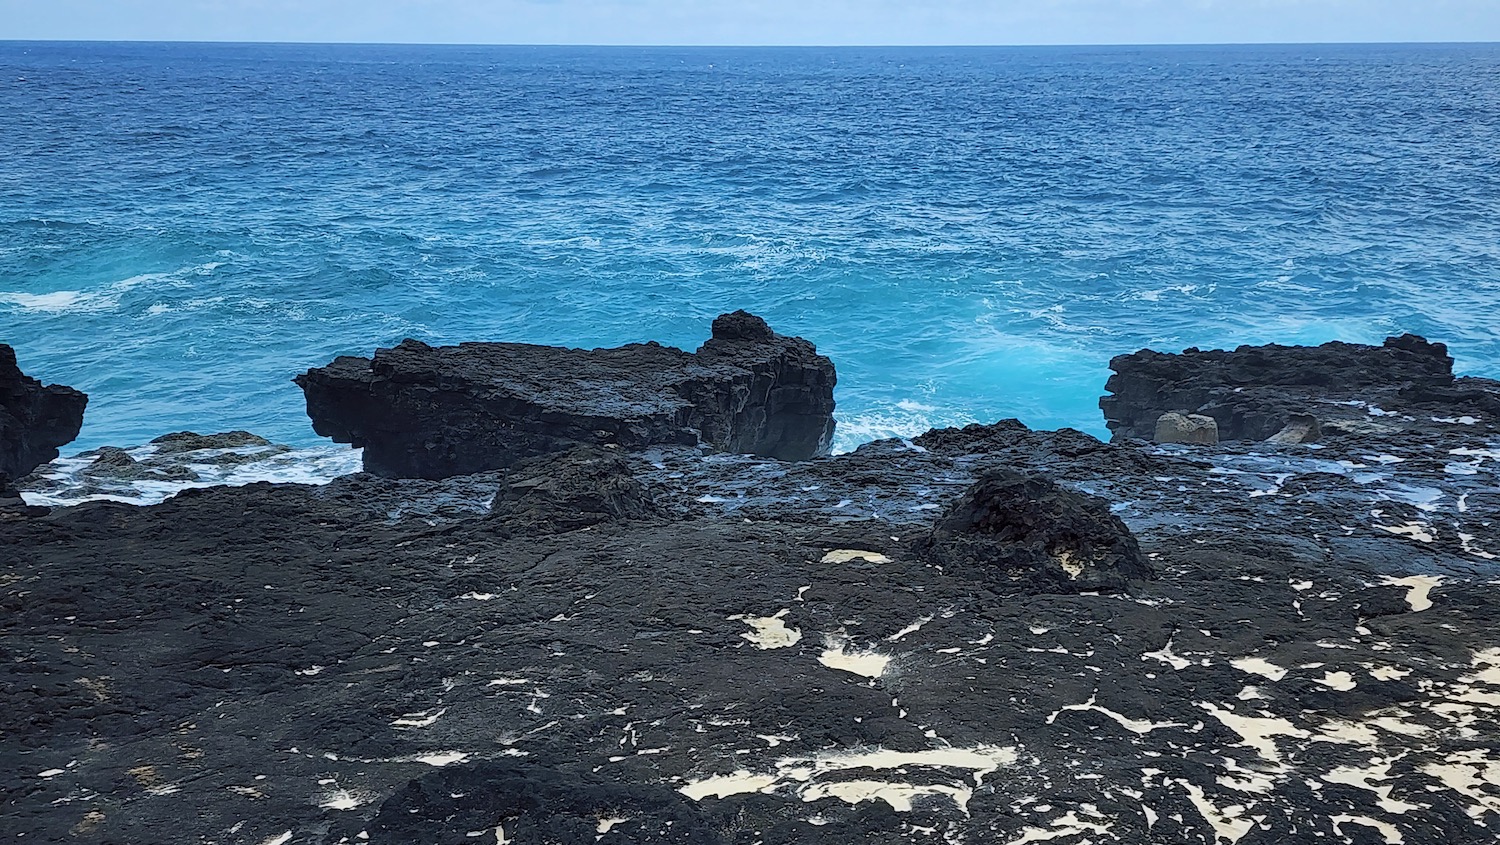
(432, 412)
(34, 419)
(570, 490)
(1254, 392)
(1020, 532)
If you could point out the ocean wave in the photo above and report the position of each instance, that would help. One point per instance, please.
(77, 479)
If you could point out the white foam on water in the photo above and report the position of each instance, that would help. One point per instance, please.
(314, 465)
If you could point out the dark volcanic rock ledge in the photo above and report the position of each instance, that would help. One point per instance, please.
(980, 636)
(34, 420)
(1253, 392)
(433, 412)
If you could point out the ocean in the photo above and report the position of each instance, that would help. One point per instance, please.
(970, 233)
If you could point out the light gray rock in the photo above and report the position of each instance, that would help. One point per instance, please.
(1194, 429)
(1301, 428)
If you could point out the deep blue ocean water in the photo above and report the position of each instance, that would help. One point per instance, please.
(969, 233)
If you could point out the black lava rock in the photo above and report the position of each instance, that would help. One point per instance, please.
(1020, 532)
(533, 805)
(432, 412)
(1254, 391)
(568, 491)
(34, 419)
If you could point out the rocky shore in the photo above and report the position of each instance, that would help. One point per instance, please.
(645, 625)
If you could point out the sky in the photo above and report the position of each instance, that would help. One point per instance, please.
(754, 22)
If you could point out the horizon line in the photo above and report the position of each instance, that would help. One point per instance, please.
(643, 45)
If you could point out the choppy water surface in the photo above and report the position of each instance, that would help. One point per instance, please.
(969, 233)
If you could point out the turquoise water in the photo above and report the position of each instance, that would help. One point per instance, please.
(969, 233)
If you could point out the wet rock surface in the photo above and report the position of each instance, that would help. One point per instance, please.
(1254, 392)
(1020, 532)
(35, 419)
(731, 649)
(432, 412)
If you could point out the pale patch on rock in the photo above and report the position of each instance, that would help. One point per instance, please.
(1257, 732)
(846, 555)
(1230, 823)
(1259, 666)
(1341, 681)
(1137, 726)
(723, 786)
(769, 632)
(870, 664)
(1415, 530)
(1418, 588)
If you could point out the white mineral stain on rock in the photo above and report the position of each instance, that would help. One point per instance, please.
(1068, 825)
(870, 664)
(441, 758)
(898, 795)
(768, 632)
(340, 799)
(1258, 666)
(1257, 732)
(607, 824)
(909, 629)
(846, 555)
(419, 720)
(1467, 541)
(1341, 681)
(723, 786)
(1414, 530)
(1166, 656)
(1230, 823)
(1473, 774)
(1387, 831)
(1137, 726)
(1418, 588)
(803, 774)
(1379, 769)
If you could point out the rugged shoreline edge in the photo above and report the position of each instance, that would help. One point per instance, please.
(664, 645)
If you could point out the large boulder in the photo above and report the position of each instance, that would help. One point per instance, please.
(1255, 392)
(34, 420)
(431, 412)
(1021, 532)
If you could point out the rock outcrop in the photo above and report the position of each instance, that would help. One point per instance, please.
(1020, 532)
(34, 420)
(570, 490)
(431, 412)
(1254, 392)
